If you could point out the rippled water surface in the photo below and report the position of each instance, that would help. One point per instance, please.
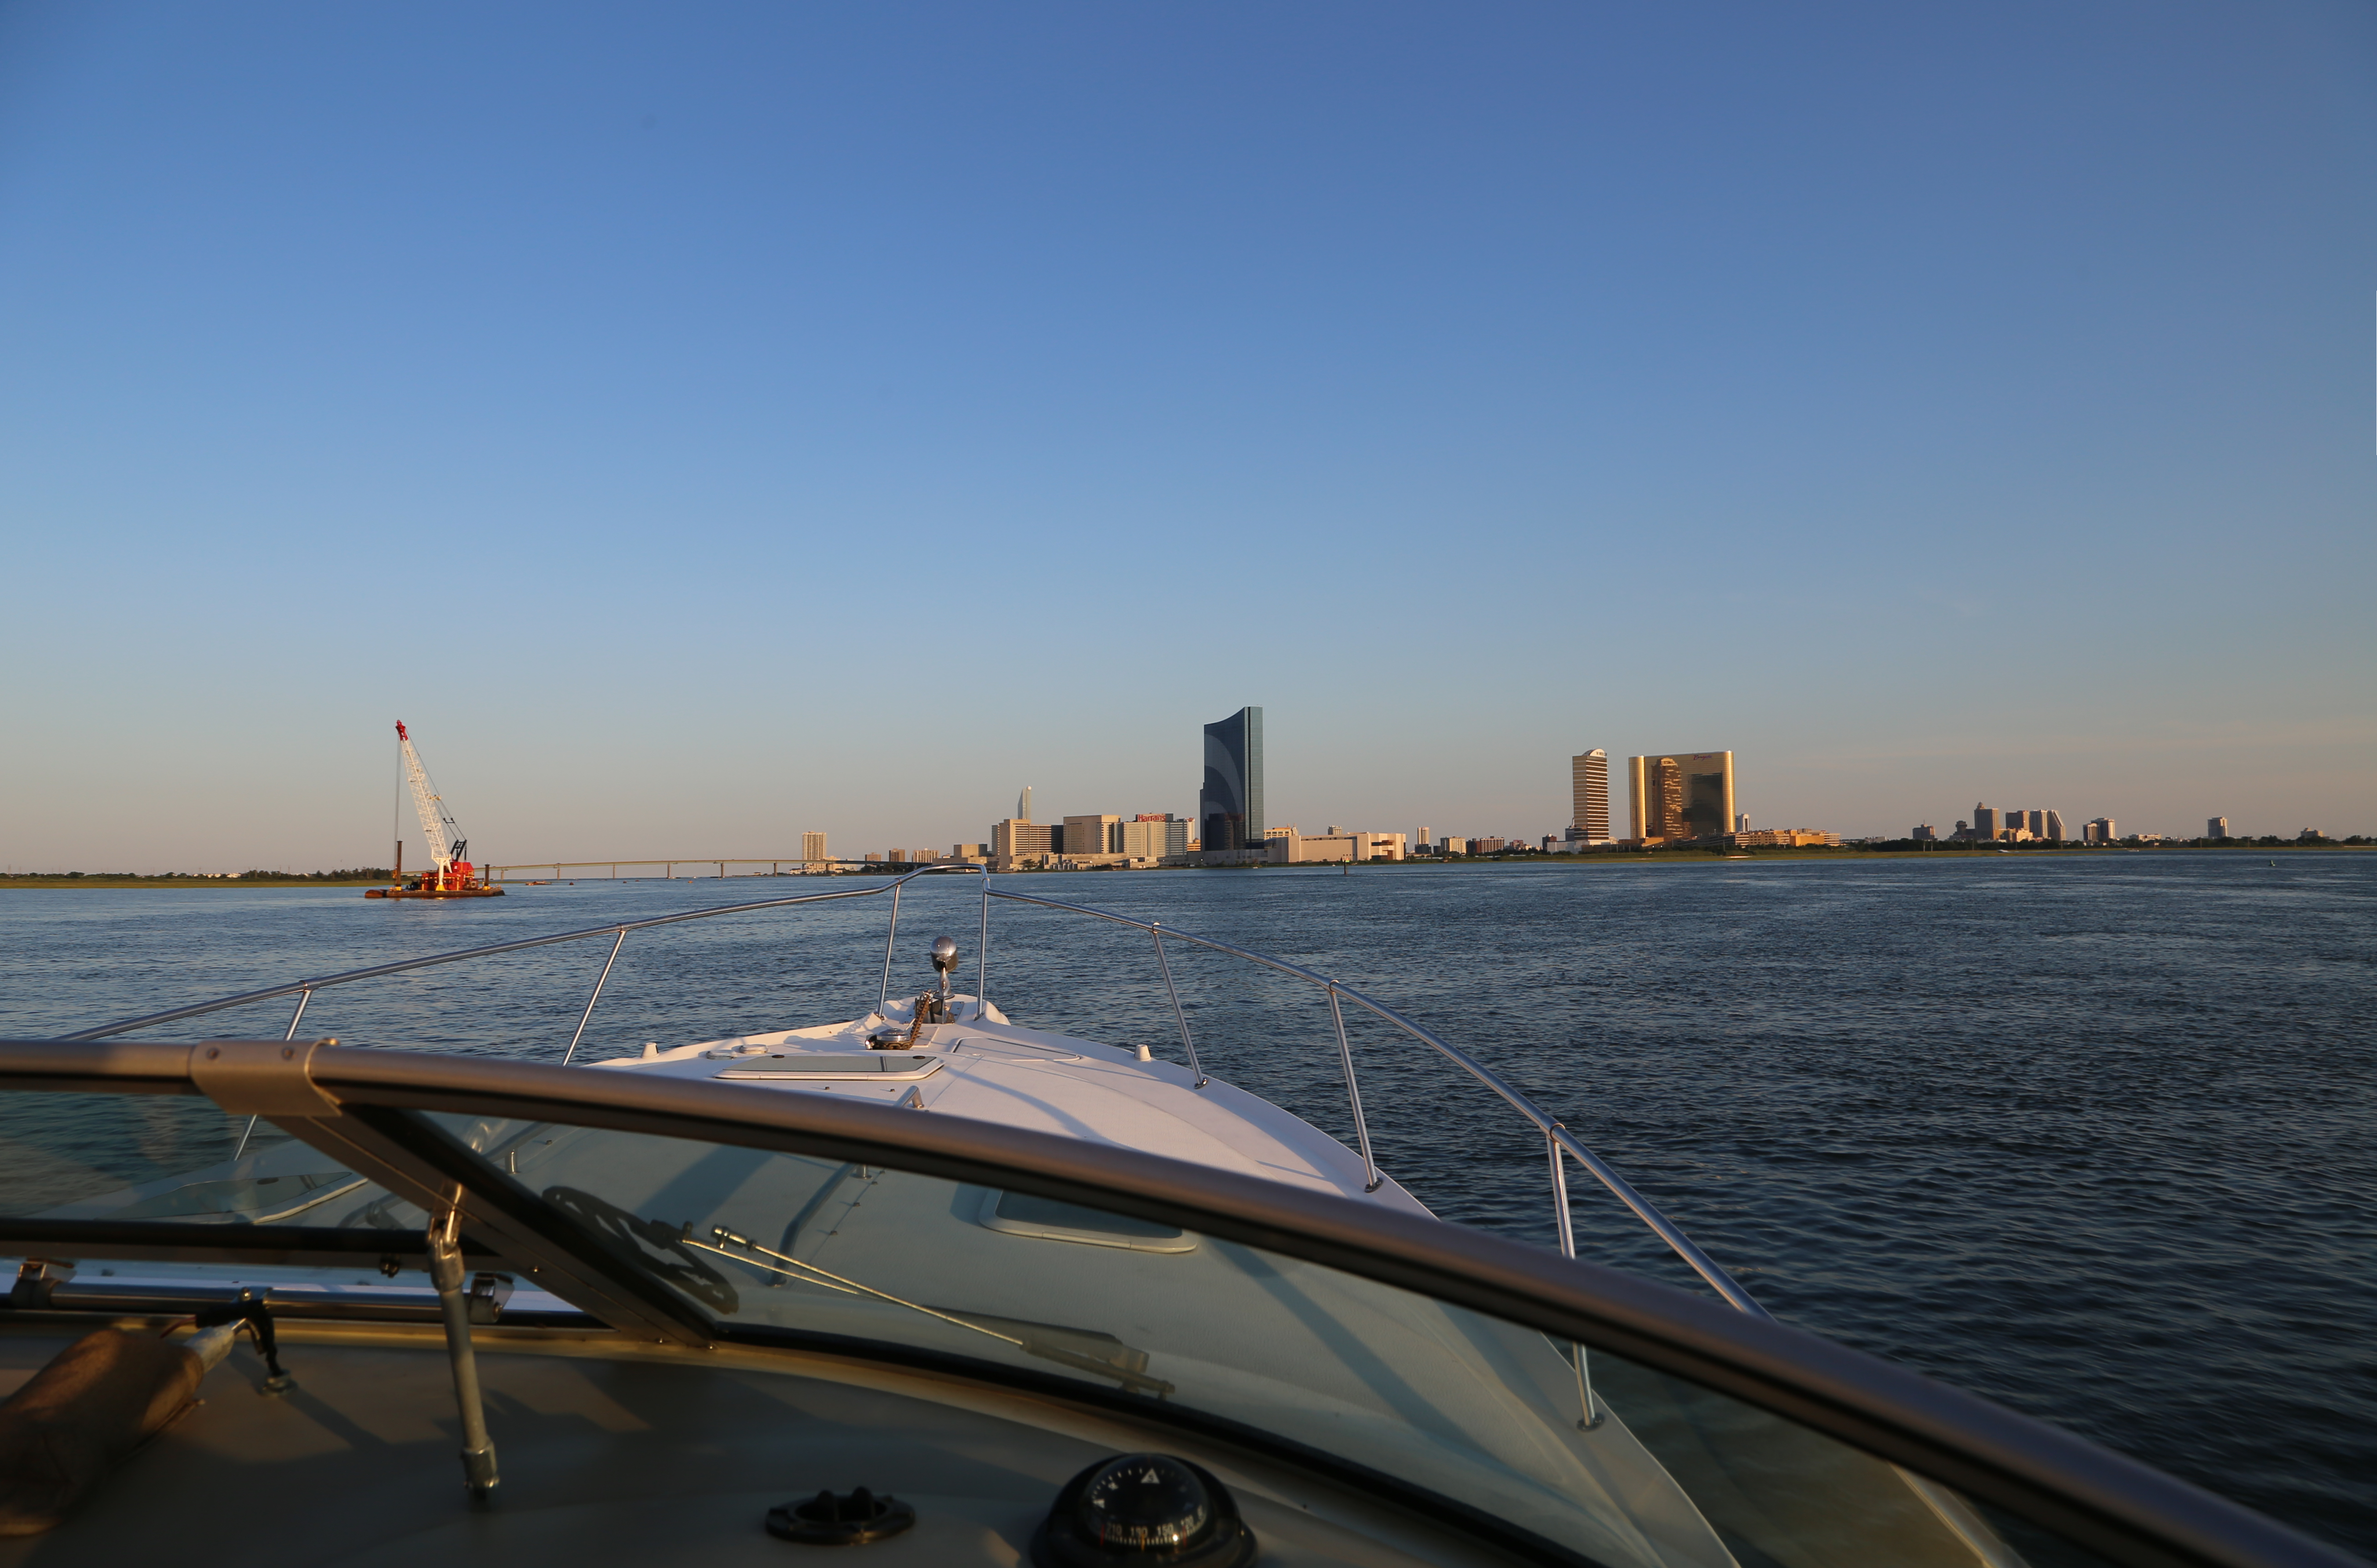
(2090, 1135)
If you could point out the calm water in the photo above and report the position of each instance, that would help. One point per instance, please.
(2092, 1136)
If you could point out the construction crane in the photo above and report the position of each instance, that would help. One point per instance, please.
(450, 874)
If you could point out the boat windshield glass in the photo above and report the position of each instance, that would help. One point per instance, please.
(1620, 1464)
(1494, 1422)
(175, 1158)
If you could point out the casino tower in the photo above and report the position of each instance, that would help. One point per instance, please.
(1230, 806)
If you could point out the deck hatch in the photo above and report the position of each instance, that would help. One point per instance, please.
(1022, 1213)
(873, 1067)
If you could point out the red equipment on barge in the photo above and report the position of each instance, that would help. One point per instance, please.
(450, 875)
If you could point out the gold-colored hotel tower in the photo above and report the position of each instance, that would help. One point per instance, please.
(1686, 795)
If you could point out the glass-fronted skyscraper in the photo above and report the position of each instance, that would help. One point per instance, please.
(1230, 807)
(1687, 794)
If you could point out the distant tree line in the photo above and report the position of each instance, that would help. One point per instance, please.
(354, 874)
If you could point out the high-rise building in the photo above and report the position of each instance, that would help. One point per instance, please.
(2101, 831)
(2035, 821)
(1093, 835)
(1985, 821)
(1230, 806)
(2055, 826)
(1924, 833)
(1024, 805)
(1588, 788)
(1686, 795)
(2217, 827)
(1422, 837)
(812, 846)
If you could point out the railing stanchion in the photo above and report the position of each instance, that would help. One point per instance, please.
(982, 955)
(249, 1130)
(1155, 930)
(596, 997)
(1352, 1093)
(1592, 1417)
(883, 993)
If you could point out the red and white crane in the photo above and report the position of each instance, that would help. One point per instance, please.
(450, 872)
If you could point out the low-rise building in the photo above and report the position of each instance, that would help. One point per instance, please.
(1149, 836)
(1016, 842)
(1285, 846)
(1784, 838)
(1093, 835)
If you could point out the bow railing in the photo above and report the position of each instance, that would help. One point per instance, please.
(1560, 1145)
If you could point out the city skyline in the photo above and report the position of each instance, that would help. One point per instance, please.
(1523, 820)
(613, 352)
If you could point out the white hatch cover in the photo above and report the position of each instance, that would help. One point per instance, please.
(876, 1066)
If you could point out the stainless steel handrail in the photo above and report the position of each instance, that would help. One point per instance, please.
(1554, 1132)
(174, 1015)
(1558, 1136)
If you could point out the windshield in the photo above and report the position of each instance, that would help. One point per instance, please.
(122, 1157)
(1493, 1426)
(1608, 1459)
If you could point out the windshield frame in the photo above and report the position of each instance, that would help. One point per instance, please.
(372, 1107)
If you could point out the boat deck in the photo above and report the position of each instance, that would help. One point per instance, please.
(993, 1069)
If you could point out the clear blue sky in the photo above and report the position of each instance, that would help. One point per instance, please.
(707, 422)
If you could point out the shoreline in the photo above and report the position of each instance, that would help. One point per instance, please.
(24, 882)
(1621, 857)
